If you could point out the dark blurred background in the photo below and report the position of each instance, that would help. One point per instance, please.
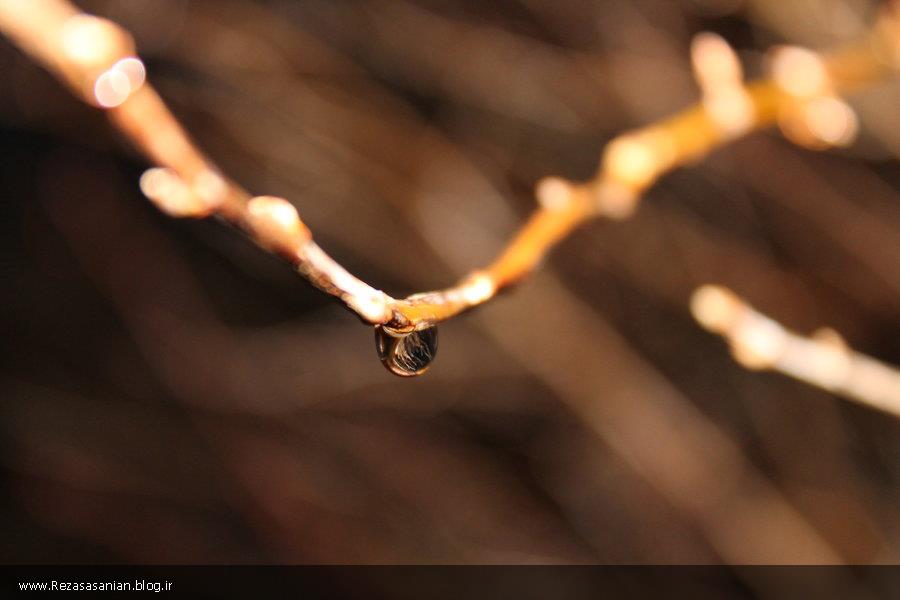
(171, 394)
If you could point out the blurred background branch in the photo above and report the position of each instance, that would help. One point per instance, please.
(823, 360)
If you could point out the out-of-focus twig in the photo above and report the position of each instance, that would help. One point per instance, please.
(96, 58)
(823, 360)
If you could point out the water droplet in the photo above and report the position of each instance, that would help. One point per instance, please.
(406, 354)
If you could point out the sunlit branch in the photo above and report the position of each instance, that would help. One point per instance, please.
(823, 360)
(96, 58)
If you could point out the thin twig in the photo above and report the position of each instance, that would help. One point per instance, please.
(96, 58)
(823, 360)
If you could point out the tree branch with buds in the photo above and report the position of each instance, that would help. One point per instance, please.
(97, 59)
(823, 360)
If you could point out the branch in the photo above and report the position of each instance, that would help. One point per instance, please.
(96, 58)
(823, 360)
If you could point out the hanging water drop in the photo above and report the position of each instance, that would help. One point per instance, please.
(406, 354)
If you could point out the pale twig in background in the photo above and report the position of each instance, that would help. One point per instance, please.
(823, 360)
